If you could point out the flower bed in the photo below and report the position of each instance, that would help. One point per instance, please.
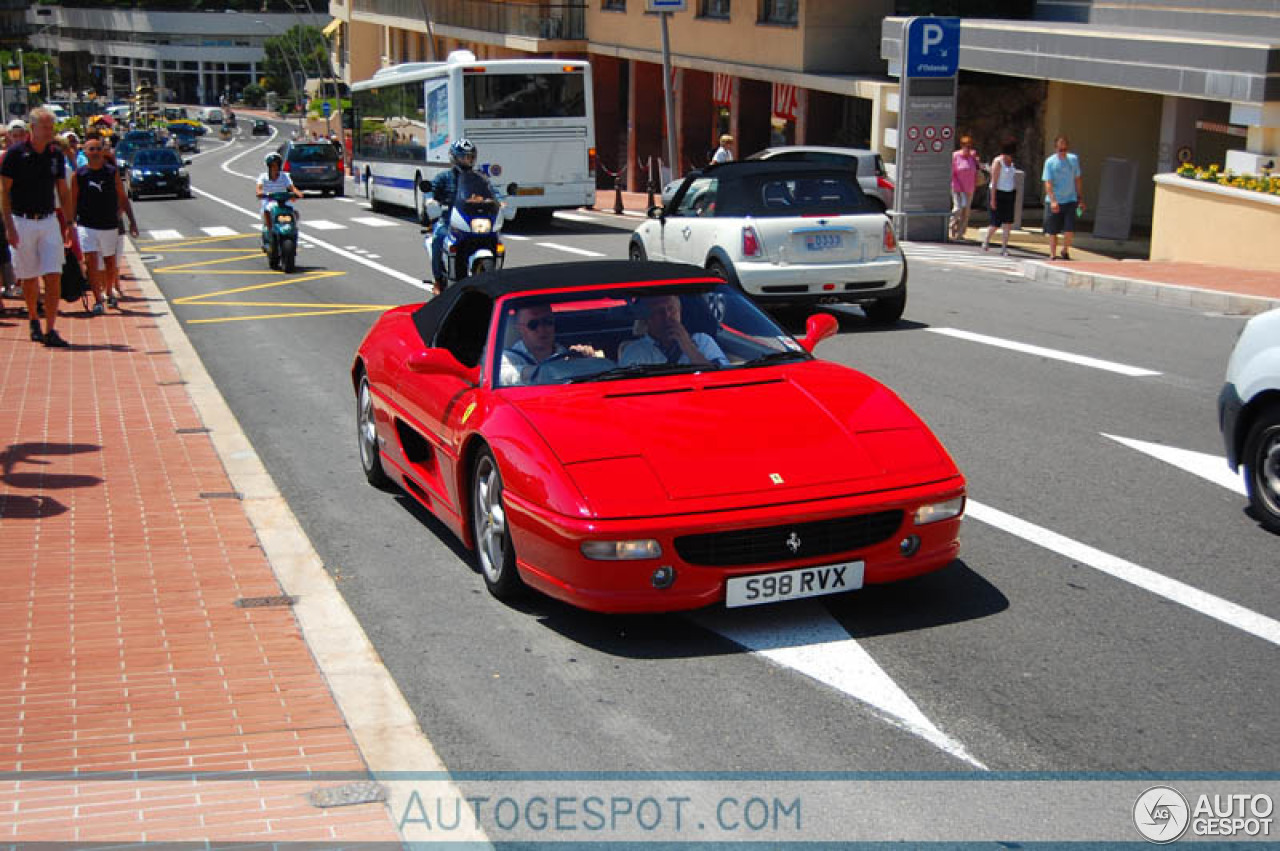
(1213, 174)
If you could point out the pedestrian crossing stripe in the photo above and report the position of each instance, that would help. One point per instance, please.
(322, 224)
(219, 230)
(164, 234)
(375, 222)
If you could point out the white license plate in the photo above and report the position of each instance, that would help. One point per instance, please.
(792, 584)
(822, 241)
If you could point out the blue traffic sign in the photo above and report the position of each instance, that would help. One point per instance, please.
(326, 109)
(933, 47)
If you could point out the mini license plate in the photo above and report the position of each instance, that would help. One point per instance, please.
(792, 584)
(822, 241)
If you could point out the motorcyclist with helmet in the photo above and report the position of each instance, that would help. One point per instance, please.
(270, 182)
(445, 188)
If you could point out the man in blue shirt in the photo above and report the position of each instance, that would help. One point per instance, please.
(668, 341)
(1062, 188)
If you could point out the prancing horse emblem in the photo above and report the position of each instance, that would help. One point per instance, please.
(793, 543)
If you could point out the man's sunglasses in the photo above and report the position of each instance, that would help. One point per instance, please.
(534, 324)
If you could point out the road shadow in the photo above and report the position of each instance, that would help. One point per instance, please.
(433, 524)
(850, 317)
(34, 506)
(99, 347)
(952, 595)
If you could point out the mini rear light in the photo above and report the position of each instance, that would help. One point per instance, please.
(890, 241)
(884, 183)
(591, 160)
(750, 242)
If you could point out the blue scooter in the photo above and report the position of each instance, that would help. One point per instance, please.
(280, 241)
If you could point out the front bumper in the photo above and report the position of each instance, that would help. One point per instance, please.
(801, 281)
(1229, 407)
(549, 557)
(153, 186)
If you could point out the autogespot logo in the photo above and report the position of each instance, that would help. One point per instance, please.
(1161, 814)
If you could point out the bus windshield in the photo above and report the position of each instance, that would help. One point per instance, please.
(492, 96)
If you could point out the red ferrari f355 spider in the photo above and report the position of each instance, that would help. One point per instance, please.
(640, 437)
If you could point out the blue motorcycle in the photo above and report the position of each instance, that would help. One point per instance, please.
(474, 243)
(280, 241)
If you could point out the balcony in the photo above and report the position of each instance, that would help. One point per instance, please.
(552, 21)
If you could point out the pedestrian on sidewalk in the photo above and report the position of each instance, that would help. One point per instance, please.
(965, 167)
(1062, 190)
(724, 153)
(97, 199)
(32, 172)
(1003, 195)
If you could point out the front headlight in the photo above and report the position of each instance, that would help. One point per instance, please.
(481, 226)
(621, 550)
(938, 511)
(182, 172)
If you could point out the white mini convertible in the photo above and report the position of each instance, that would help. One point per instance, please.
(783, 232)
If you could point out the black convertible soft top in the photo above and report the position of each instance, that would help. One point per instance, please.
(528, 279)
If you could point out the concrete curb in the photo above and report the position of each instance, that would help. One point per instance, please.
(1173, 295)
(381, 721)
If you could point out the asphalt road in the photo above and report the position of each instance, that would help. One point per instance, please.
(1113, 609)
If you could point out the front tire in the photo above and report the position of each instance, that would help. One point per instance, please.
(494, 552)
(1262, 467)
(367, 435)
(288, 255)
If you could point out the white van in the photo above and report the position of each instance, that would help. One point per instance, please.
(211, 115)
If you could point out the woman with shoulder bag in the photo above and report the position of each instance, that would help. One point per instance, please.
(1003, 195)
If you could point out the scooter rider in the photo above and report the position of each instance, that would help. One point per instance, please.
(270, 182)
(444, 188)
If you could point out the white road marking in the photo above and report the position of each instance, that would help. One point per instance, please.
(164, 234)
(375, 222)
(806, 638)
(1212, 468)
(1229, 613)
(345, 200)
(971, 257)
(569, 248)
(219, 230)
(572, 217)
(323, 224)
(1052, 354)
(386, 270)
(516, 237)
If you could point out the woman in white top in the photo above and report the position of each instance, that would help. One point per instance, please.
(274, 180)
(1003, 194)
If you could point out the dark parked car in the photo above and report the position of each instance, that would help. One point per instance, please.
(314, 165)
(260, 128)
(158, 171)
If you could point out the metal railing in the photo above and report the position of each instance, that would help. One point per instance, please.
(566, 20)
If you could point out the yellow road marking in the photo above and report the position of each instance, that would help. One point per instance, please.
(204, 240)
(282, 282)
(202, 264)
(361, 309)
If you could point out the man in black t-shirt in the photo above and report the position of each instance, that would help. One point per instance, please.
(32, 172)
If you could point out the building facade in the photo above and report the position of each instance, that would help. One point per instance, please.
(194, 57)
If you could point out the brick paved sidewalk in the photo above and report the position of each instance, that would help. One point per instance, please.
(122, 553)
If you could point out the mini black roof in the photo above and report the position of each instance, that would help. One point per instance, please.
(751, 168)
(530, 279)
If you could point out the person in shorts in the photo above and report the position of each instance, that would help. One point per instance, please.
(965, 167)
(31, 174)
(1062, 188)
(1004, 194)
(97, 198)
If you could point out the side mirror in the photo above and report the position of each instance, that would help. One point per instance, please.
(442, 362)
(433, 209)
(186, 162)
(657, 211)
(817, 328)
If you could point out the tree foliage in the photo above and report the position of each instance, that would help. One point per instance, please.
(295, 55)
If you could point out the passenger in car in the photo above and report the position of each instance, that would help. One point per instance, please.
(667, 340)
(536, 326)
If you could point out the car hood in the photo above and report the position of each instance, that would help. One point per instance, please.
(744, 437)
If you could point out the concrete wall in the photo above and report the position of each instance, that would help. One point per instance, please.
(843, 38)
(365, 54)
(1103, 123)
(1205, 223)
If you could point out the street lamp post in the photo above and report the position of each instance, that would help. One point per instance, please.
(14, 74)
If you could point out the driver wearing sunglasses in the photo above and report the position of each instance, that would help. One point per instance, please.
(536, 325)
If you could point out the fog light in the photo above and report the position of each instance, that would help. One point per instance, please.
(938, 511)
(909, 545)
(621, 550)
(664, 577)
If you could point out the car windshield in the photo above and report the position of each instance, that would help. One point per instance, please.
(812, 194)
(627, 333)
(156, 156)
(321, 153)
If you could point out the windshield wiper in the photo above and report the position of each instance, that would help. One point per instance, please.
(776, 357)
(636, 370)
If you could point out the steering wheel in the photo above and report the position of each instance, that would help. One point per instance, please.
(558, 356)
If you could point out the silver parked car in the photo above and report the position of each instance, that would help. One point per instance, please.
(872, 177)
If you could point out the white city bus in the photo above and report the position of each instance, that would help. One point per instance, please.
(531, 122)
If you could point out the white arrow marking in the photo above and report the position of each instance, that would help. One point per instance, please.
(807, 639)
(1211, 468)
